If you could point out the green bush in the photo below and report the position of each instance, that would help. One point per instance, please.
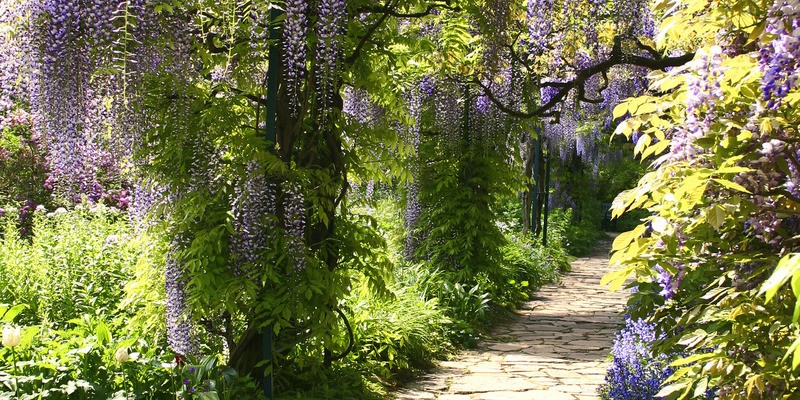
(75, 262)
(401, 333)
(23, 165)
(89, 360)
(581, 239)
(532, 262)
(81, 361)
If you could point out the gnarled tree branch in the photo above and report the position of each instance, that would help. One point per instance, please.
(617, 57)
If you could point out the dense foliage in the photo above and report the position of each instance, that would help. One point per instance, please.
(363, 185)
(715, 255)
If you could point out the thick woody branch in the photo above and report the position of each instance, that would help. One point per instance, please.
(617, 57)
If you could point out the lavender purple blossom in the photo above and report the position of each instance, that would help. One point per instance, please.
(294, 225)
(413, 209)
(669, 282)
(636, 373)
(539, 25)
(254, 200)
(780, 57)
(295, 30)
(180, 336)
(702, 94)
(329, 30)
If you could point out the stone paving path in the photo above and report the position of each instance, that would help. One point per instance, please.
(555, 349)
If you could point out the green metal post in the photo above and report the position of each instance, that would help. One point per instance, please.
(537, 145)
(545, 200)
(270, 134)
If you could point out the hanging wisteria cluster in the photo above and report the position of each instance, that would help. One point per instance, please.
(703, 93)
(633, 18)
(294, 221)
(329, 30)
(180, 333)
(254, 200)
(413, 203)
(780, 58)
(497, 16)
(65, 62)
(540, 25)
(295, 29)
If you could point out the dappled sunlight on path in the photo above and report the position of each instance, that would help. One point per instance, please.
(555, 349)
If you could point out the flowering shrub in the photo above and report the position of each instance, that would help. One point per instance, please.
(22, 157)
(718, 244)
(636, 373)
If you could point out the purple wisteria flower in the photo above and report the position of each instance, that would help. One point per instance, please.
(482, 104)
(636, 373)
(540, 27)
(669, 283)
(703, 93)
(295, 30)
(329, 30)
(780, 57)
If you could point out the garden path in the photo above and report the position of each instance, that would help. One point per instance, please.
(556, 348)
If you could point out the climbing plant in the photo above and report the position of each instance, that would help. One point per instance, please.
(713, 258)
(238, 132)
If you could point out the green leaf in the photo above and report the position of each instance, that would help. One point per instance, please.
(733, 170)
(692, 359)
(624, 239)
(646, 108)
(755, 381)
(102, 332)
(620, 110)
(787, 267)
(615, 279)
(757, 31)
(701, 388)
(673, 388)
(11, 314)
(693, 339)
(731, 185)
(796, 291)
(794, 351)
(792, 98)
(716, 216)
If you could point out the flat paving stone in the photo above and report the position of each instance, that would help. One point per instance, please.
(556, 348)
(529, 395)
(490, 382)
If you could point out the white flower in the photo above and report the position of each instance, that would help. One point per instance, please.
(11, 336)
(112, 240)
(121, 355)
(659, 224)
